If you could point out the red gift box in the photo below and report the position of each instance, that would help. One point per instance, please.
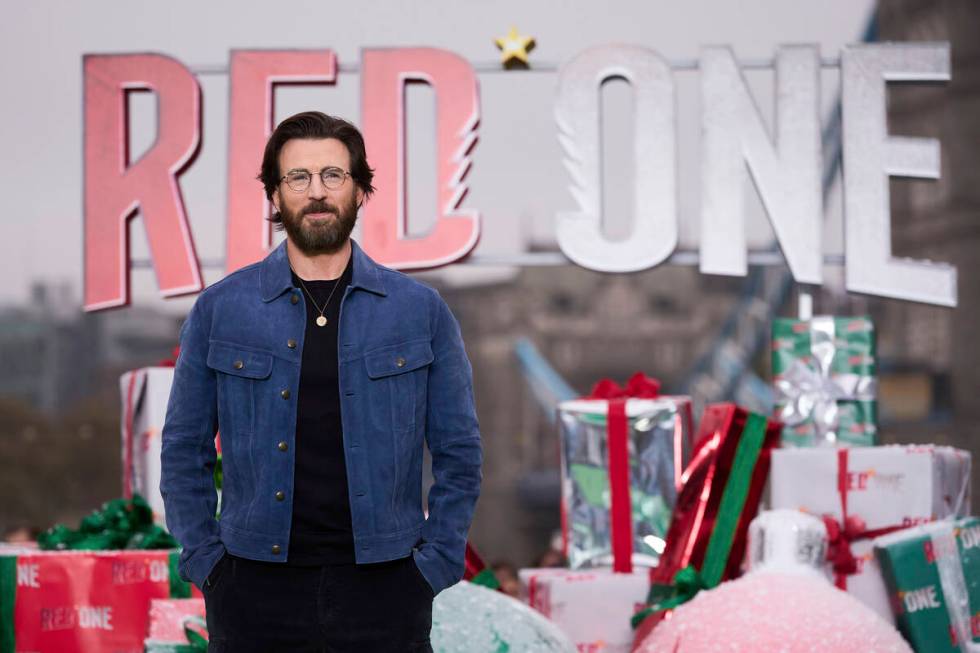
(83, 601)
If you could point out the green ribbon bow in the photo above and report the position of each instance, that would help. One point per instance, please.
(687, 583)
(487, 579)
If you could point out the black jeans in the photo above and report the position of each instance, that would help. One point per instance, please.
(265, 607)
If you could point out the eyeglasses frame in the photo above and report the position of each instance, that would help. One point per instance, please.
(319, 174)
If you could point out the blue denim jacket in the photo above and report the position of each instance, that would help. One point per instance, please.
(403, 375)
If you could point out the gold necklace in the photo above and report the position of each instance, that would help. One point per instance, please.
(320, 321)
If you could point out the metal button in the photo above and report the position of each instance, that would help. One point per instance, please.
(294, 299)
(283, 446)
(285, 393)
(291, 343)
(276, 549)
(400, 362)
(280, 495)
(239, 365)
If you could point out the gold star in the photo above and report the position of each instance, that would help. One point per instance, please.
(514, 49)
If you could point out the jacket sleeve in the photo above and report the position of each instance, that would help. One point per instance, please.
(452, 434)
(188, 454)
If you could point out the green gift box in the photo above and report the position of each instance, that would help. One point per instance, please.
(824, 375)
(933, 578)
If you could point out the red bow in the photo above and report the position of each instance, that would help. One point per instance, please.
(639, 386)
(839, 538)
(172, 361)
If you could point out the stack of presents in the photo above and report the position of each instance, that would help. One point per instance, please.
(91, 589)
(655, 509)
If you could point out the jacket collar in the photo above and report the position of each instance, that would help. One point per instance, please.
(276, 276)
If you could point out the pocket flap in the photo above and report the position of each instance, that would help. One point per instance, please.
(397, 359)
(238, 361)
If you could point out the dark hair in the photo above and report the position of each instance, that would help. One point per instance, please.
(314, 124)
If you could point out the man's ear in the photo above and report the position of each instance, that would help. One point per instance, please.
(359, 194)
(276, 200)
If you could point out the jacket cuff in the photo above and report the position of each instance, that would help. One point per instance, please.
(436, 570)
(197, 566)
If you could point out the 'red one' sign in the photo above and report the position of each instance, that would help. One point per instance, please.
(786, 168)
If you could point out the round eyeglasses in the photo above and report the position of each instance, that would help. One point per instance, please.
(299, 180)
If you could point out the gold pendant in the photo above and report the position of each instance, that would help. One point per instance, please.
(321, 321)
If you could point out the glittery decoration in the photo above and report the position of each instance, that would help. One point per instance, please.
(467, 618)
(789, 613)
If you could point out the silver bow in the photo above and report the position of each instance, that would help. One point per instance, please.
(809, 390)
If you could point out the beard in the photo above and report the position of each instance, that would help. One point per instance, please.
(325, 237)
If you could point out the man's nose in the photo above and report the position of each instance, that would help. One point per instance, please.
(316, 190)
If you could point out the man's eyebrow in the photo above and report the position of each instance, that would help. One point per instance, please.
(330, 167)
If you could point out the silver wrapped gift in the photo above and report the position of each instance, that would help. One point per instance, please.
(659, 443)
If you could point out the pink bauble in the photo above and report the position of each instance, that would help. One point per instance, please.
(774, 611)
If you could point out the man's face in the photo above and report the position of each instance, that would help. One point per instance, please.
(318, 220)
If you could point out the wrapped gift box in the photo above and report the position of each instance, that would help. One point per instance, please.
(592, 607)
(722, 489)
(145, 393)
(82, 601)
(170, 621)
(866, 492)
(824, 376)
(657, 443)
(933, 577)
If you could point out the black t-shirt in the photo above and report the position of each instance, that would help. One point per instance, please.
(321, 531)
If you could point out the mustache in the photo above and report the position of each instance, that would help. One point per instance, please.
(319, 206)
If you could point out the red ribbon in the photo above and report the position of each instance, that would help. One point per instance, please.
(172, 361)
(129, 416)
(639, 386)
(850, 528)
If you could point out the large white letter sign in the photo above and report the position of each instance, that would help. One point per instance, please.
(787, 174)
(115, 187)
(254, 75)
(871, 155)
(384, 73)
(654, 234)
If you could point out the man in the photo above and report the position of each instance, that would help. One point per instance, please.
(323, 371)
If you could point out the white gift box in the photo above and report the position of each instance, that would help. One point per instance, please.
(592, 607)
(884, 487)
(145, 393)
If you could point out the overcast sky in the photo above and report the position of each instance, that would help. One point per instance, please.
(517, 181)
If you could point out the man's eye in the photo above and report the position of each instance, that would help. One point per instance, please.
(298, 177)
(333, 175)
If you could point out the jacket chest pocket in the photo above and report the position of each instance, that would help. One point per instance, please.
(398, 380)
(238, 369)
